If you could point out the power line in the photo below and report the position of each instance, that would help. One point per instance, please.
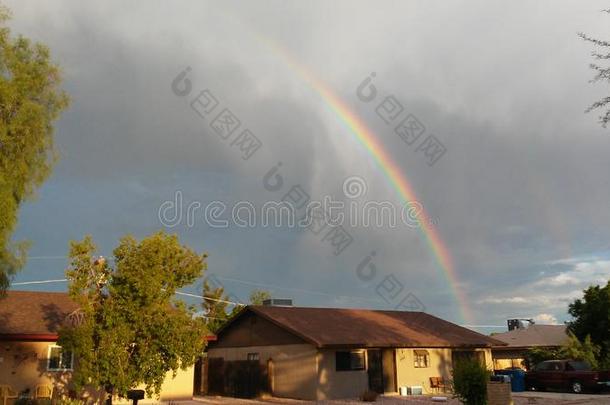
(296, 289)
(63, 280)
(241, 281)
(208, 298)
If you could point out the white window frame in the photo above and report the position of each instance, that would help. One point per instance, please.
(51, 347)
(425, 356)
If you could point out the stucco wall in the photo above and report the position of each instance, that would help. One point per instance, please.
(24, 365)
(178, 388)
(294, 369)
(334, 384)
(409, 375)
(440, 366)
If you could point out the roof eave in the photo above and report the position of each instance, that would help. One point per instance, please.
(29, 337)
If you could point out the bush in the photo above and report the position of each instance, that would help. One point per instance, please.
(470, 382)
(585, 351)
(537, 355)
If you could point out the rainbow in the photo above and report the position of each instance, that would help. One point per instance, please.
(396, 178)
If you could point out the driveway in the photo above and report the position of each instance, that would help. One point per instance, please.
(561, 398)
(519, 398)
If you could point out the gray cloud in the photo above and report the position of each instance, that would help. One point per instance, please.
(524, 180)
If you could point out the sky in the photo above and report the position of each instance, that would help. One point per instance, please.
(518, 200)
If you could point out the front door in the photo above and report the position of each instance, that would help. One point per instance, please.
(375, 370)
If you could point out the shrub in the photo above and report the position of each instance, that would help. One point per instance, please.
(470, 382)
(585, 351)
(537, 355)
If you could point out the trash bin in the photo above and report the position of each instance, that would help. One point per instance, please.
(517, 378)
(517, 381)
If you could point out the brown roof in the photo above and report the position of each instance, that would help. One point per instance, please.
(326, 327)
(33, 313)
(534, 335)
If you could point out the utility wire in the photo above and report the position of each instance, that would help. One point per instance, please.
(208, 298)
(271, 286)
(63, 280)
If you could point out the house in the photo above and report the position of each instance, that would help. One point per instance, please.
(30, 360)
(330, 353)
(519, 339)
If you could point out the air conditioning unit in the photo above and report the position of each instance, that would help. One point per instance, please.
(415, 390)
(277, 302)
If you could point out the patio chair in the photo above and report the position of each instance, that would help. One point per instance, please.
(44, 391)
(438, 384)
(6, 393)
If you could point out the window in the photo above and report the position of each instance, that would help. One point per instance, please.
(349, 360)
(578, 366)
(548, 366)
(253, 357)
(59, 359)
(421, 358)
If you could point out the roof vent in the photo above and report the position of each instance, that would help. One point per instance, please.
(278, 302)
(519, 323)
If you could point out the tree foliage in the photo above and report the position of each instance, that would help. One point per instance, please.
(214, 304)
(132, 331)
(469, 383)
(536, 355)
(586, 350)
(219, 309)
(591, 317)
(258, 296)
(573, 349)
(602, 73)
(30, 101)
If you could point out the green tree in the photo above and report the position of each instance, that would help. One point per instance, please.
(576, 350)
(214, 304)
(591, 317)
(469, 383)
(538, 354)
(602, 73)
(30, 102)
(258, 296)
(130, 329)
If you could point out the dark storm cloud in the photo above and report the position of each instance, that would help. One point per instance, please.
(524, 180)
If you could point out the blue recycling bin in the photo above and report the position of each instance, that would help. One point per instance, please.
(517, 378)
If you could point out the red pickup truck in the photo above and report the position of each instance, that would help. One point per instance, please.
(576, 376)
